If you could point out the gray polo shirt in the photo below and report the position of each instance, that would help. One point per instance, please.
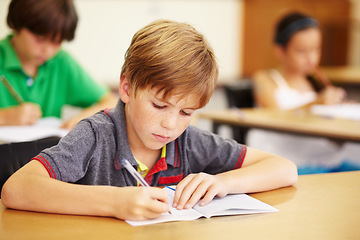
(91, 153)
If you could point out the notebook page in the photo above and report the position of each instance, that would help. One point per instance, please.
(347, 111)
(176, 215)
(45, 127)
(230, 205)
(234, 205)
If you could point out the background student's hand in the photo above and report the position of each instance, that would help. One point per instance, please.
(71, 123)
(332, 95)
(199, 186)
(140, 203)
(108, 101)
(23, 114)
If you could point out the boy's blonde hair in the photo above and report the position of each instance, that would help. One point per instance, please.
(173, 58)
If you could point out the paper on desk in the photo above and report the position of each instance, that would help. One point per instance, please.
(45, 127)
(347, 111)
(236, 204)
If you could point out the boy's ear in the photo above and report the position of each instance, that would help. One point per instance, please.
(124, 89)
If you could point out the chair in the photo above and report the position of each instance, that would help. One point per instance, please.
(15, 155)
(238, 95)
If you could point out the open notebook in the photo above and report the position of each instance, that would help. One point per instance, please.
(347, 111)
(235, 204)
(45, 127)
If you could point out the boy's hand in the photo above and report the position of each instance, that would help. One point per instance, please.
(71, 123)
(140, 203)
(199, 186)
(23, 114)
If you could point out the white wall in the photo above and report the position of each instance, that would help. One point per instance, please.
(354, 50)
(106, 27)
(3, 11)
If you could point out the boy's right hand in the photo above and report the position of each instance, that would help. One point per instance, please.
(140, 203)
(23, 114)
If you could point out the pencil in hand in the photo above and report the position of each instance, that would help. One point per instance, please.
(11, 89)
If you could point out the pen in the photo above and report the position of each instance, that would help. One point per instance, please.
(170, 188)
(12, 90)
(134, 173)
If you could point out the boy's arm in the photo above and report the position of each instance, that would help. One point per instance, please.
(108, 101)
(31, 188)
(260, 172)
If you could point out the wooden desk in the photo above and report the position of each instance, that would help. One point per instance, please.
(343, 75)
(297, 122)
(323, 206)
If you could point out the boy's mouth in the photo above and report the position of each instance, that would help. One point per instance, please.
(41, 60)
(161, 138)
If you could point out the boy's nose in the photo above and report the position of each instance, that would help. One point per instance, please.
(169, 121)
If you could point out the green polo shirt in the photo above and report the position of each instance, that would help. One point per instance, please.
(59, 81)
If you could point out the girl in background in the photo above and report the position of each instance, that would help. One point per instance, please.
(44, 75)
(296, 83)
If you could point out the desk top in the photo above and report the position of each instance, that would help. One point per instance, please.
(322, 206)
(343, 74)
(298, 122)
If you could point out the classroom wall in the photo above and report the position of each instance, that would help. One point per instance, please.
(106, 27)
(354, 49)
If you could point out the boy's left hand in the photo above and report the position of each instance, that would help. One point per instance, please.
(199, 186)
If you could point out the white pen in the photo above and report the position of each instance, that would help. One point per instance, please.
(134, 173)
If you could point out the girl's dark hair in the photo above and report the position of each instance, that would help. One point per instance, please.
(290, 24)
(56, 19)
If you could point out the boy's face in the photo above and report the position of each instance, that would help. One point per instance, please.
(153, 122)
(34, 49)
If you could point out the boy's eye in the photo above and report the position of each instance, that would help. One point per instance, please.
(40, 38)
(185, 113)
(158, 106)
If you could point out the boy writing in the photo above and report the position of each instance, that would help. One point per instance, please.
(43, 74)
(169, 72)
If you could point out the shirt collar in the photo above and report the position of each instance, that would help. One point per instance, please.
(11, 60)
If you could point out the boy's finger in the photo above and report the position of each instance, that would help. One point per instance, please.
(159, 194)
(195, 197)
(180, 188)
(193, 190)
(203, 192)
(209, 196)
(158, 207)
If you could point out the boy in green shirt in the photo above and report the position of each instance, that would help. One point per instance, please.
(43, 74)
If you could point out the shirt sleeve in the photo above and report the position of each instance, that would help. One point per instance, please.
(69, 160)
(210, 153)
(82, 89)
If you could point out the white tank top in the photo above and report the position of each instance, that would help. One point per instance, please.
(289, 98)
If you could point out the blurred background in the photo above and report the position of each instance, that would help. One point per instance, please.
(239, 30)
(241, 33)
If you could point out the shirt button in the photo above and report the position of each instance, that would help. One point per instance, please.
(142, 172)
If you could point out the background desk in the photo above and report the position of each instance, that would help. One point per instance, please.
(298, 122)
(343, 74)
(323, 206)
